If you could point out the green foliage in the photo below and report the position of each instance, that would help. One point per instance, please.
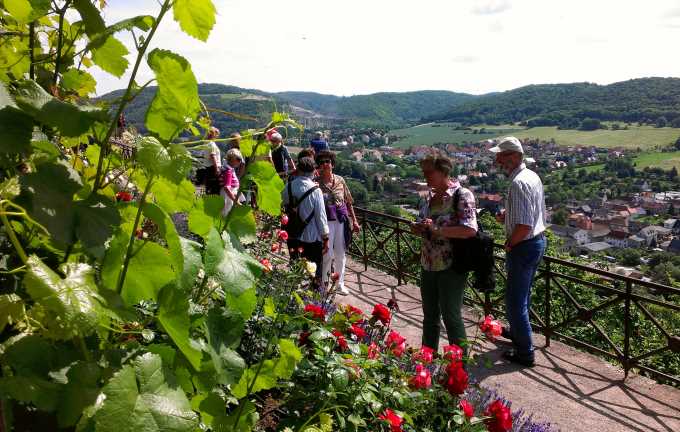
(195, 17)
(177, 97)
(141, 397)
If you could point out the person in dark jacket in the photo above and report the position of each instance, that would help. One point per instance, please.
(319, 144)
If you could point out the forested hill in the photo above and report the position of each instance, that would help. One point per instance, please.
(645, 99)
(313, 109)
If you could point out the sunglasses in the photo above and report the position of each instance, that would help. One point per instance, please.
(321, 162)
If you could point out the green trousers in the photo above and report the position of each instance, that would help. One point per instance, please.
(442, 296)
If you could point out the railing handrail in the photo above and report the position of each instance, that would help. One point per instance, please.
(613, 290)
(547, 258)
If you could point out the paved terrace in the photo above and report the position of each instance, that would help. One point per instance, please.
(573, 390)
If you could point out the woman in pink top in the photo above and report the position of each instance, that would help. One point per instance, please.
(230, 183)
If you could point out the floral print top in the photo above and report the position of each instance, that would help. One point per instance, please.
(436, 253)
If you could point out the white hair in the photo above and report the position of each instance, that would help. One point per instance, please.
(234, 154)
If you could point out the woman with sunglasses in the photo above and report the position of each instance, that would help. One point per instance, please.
(341, 218)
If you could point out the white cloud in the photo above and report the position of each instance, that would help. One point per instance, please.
(490, 7)
(359, 46)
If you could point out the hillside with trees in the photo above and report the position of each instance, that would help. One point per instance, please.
(380, 109)
(573, 106)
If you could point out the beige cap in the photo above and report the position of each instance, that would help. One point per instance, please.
(507, 144)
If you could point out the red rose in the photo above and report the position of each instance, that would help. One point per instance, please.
(124, 196)
(284, 220)
(351, 310)
(467, 408)
(283, 235)
(422, 379)
(266, 264)
(275, 247)
(373, 351)
(501, 418)
(453, 352)
(335, 276)
(382, 314)
(491, 327)
(316, 311)
(357, 331)
(340, 339)
(457, 380)
(425, 355)
(396, 342)
(393, 419)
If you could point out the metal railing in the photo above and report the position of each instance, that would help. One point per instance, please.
(628, 320)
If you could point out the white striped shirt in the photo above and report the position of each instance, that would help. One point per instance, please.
(525, 204)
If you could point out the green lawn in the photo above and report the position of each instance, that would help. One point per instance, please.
(430, 134)
(644, 137)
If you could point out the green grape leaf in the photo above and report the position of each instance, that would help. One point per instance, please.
(11, 309)
(224, 328)
(42, 393)
(180, 164)
(140, 398)
(176, 101)
(242, 224)
(269, 186)
(206, 215)
(110, 56)
(173, 315)
(48, 194)
(74, 298)
(152, 155)
(19, 9)
(244, 303)
(94, 23)
(195, 17)
(236, 271)
(169, 233)
(174, 198)
(150, 269)
(80, 82)
(13, 58)
(80, 392)
(247, 145)
(71, 120)
(167, 353)
(272, 370)
(142, 22)
(17, 126)
(193, 261)
(96, 217)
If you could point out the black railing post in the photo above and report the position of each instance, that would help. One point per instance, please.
(627, 324)
(400, 269)
(547, 307)
(363, 235)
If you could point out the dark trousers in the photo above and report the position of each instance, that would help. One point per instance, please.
(442, 295)
(521, 264)
(208, 178)
(311, 251)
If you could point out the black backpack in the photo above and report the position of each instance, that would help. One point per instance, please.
(296, 225)
(475, 254)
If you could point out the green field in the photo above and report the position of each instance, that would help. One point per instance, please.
(431, 133)
(644, 137)
(658, 160)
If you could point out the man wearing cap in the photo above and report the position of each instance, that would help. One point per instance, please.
(524, 219)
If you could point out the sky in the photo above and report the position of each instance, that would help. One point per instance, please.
(353, 47)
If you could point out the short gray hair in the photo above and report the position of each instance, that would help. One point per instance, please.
(234, 154)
